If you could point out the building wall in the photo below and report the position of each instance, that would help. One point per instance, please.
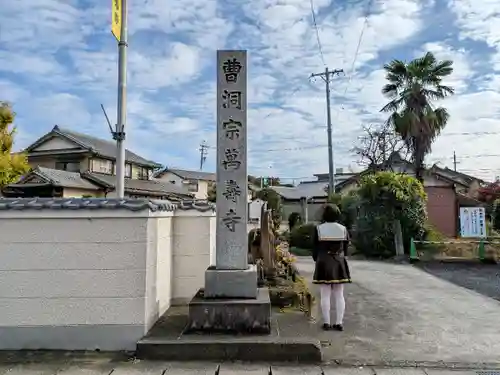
(442, 209)
(56, 143)
(42, 162)
(202, 192)
(50, 162)
(193, 251)
(79, 193)
(473, 189)
(88, 279)
(314, 210)
(72, 282)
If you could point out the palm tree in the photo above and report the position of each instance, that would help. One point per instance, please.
(412, 87)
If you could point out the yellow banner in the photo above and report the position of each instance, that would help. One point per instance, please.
(116, 18)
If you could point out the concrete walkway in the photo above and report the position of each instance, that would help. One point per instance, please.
(159, 368)
(401, 314)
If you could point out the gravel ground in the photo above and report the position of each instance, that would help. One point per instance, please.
(484, 279)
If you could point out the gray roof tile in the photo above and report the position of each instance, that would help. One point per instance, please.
(103, 147)
(189, 175)
(101, 203)
(142, 185)
(64, 178)
(307, 190)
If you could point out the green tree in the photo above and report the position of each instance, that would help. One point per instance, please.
(12, 165)
(273, 200)
(496, 215)
(411, 89)
(383, 198)
(212, 193)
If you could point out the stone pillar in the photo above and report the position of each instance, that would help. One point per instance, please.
(231, 277)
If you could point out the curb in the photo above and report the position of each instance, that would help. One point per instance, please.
(301, 351)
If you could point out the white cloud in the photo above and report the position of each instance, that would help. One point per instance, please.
(60, 63)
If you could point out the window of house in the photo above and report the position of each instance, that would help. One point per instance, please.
(193, 186)
(102, 166)
(70, 166)
(143, 173)
(128, 170)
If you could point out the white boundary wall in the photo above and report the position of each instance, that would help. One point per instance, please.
(96, 279)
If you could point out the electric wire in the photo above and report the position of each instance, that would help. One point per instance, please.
(315, 24)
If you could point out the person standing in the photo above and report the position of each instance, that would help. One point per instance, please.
(331, 272)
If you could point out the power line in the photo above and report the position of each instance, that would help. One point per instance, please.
(360, 39)
(317, 32)
(310, 147)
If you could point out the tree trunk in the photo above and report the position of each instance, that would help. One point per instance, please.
(419, 161)
(398, 238)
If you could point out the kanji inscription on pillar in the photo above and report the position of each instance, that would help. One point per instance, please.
(232, 183)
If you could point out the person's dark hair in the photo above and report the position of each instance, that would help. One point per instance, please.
(331, 214)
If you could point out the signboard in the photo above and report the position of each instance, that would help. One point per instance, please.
(472, 222)
(116, 18)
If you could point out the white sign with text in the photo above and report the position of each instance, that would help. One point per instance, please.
(472, 222)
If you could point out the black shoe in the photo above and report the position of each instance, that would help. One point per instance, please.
(338, 327)
(327, 327)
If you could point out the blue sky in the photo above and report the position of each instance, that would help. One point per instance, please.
(58, 64)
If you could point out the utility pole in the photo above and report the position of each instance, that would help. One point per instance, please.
(454, 161)
(326, 75)
(203, 154)
(119, 134)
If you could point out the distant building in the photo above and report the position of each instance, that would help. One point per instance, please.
(196, 182)
(70, 164)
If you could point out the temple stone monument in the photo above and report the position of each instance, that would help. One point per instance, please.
(231, 300)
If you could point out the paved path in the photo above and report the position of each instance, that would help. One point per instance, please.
(399, 313)
(160, 368)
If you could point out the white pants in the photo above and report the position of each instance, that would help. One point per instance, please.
(335, 292)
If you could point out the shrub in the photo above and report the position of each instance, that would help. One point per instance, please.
(348, 205)
(284, 236)
(383, 198)
(302, 236)
(496, 215)
(433, 235)
(293, 220)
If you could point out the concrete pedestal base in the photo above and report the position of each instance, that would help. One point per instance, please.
(230, 315)
(231, 283)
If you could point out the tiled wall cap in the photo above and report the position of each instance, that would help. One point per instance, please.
(102, 203)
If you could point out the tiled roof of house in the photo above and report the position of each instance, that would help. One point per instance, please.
(307, 190)
(64, 178)
(101, 203)
(459, 177)
(101, 147)
(188, 175)
(133, 185)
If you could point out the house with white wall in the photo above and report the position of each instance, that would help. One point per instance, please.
(196, 182)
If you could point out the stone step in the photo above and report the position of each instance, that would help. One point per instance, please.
(231, 349)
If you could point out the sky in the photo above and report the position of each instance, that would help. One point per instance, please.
(58, 63)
